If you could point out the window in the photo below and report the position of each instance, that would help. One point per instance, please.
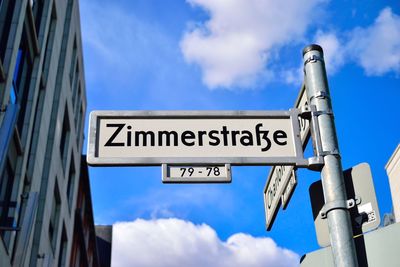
(6, 7)
(73, 62)
(7, 205)
(14, 90)
(13, 96)
(22, 212)
(65, 133)
(49, 44)
(77, 100)
(71, 181)
(83, 207)
(54, 217)
(22, 78)
(90, 256)
(77, 256)
(37, 8)
(63, 248)
(35, 130)
(76, 86)
(79, 118)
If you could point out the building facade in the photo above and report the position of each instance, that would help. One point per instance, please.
(42, 109)
(84, 250)
(393, 171)
(104, 244)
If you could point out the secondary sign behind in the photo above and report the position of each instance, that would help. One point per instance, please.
(226, 137)
(282, 179)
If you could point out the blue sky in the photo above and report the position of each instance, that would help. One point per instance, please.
(237, 55)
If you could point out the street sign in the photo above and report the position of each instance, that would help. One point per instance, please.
(196, 174)
(195, 137)
(374, 249)
(273, 190)
(360, 187)
(285, 176)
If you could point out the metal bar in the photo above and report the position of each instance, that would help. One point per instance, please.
(234, 161)
(340, 230)
(155, 114)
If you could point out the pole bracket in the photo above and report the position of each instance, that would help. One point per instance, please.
(334, 205)
(313, 114)
(305, 112)
(316, 163)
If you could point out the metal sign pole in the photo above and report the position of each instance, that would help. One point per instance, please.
(336, 207)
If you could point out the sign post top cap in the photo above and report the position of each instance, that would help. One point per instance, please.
(311, 48)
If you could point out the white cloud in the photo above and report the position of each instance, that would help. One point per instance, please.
(293, 76)
(334, 51)
(130, 56)
(233, 48)
(377, 47)
(174, 242)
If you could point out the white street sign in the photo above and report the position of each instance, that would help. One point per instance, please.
(284, 175)
(195, 137)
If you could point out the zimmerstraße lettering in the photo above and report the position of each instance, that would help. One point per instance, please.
(222, 137)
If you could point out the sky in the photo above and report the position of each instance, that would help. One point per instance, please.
(234, 55)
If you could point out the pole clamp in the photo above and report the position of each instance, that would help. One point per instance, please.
(313, 59)
(320, 95)
(322, 112)
(306, 112)
(334, 152)
(334, 205)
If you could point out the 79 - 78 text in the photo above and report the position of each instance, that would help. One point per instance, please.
(210, 171)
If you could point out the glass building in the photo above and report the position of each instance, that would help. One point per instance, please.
(43, 219)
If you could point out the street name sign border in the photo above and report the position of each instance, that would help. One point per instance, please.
(292, 115)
